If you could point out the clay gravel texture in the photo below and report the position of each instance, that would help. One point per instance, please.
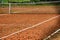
(11, 23)
(30, 9)
(55, 37)
(27, 17)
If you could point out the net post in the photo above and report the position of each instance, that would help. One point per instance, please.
(9, 8)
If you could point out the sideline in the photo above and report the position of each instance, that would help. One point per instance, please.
(31, 27)
(52, 34)
(3, 14)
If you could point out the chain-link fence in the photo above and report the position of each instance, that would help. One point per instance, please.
(18, 7)
(4, 8)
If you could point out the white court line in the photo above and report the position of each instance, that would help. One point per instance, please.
(30, 27)
(52, 34)
(3, 14)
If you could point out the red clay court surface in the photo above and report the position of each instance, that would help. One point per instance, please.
(31, 9)
(55, 37)
(11, 23)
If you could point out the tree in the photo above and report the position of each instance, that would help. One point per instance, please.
(0, 1)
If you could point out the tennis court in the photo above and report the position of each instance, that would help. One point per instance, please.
(12, 23)
(18, 22)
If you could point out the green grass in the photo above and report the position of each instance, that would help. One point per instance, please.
(5, 1)
(18, 0)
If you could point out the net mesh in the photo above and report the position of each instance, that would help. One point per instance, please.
(18, 7)
(4, 8)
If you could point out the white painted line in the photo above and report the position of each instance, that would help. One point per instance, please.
(52, 34)
(3, 14)
(30, 27)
